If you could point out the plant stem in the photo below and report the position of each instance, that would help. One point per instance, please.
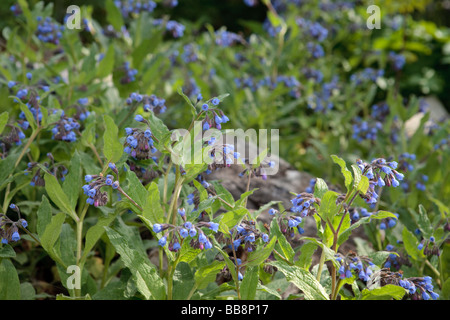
(321, 263)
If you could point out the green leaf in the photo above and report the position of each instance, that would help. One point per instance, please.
(158, 129)
(261, 254)
(284, 245)
(302, 279)
(145, 275)
(328, 208)
(7, 252)
(136, 190)
(207, 274)
(231, 218)
(424, 223)
(10, 284)
(183, 281)
(51, 235)
(320, 188)
(72, 183)
(114, 16)
(3, 120)
(329, 253)
(410, 243)
(386, 292)
(249, 283)
(306, 252)
(189, 102)
(379, 215)
(152, 209)
(347, 174)
(57, 195)
(95, 232)
(44, 215)
(106, 65)
(112, 148)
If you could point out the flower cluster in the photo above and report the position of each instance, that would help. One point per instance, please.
(11, 233)
(65, 129)
(310, 188)
(268, 83)
(13, 138)
(130, 7)
(419, 288)
(139, 143)
(246, 235)
(255, 171)
(49, 31)
(149, 102)
(320, 100)
(364, 130)
(398, 60)
(199, 240)
(214, 117)
(420, 185)
(189, 53)
(373, 172)
(55, 169)
(366, 75)
(430, 247)
(395, 260)
(350, 264)
(314, 29)
(174, 27)
(95, 182)
(129, 73)
(226, 38)
(303, 203)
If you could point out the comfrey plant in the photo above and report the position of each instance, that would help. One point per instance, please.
(109, 189)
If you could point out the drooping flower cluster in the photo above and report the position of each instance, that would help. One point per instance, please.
(188, 230)
(373, 172)
(395, 260)
(227, 38)
(139, 143)
(129, 73)
(9, 230)
(310, 188)
(352, 264)
(303, 203)
(149, 102)
(429, 246)
(259, 171)
(214, 117)
(419, 288)
(365, 130)
(174, 27)
(398, 60)
(97, 197)
(65, 129)
(320, 100)
(55, 169)
(388, 222)
(49, 31)
(246, 235)
(366, 75)
(130, 7)
(14, 137)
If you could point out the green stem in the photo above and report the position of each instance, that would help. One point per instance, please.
(321, 263)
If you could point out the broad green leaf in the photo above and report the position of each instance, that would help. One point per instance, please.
(410, 243)
(328, 208)
(306, 252)
(207, 274)
(3, 120)
(95, 232)
(52, 232)
(72, 183)
(106, 65)
(320, 188)
(183, 281)
(113, 15)
(145, 275)
(249, 283)
(379, 215)
(386, 292)
(189, 102)
(57, 195)
(347, 174)
(158, 129)
(329, 253)
(282, 243)
(136, 190)
(261, 254)
(7, 252)
(424, 223)
(10, 284)
(302, 279)
(112, 148)
(44, 215)
(231, 219)
(152, 209)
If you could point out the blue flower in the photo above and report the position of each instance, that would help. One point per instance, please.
(205, 107)
(157, 228)
(162, 242)
(184, 233)
(214, 226)
(15, 236)
(139, 118)
(215, 101)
